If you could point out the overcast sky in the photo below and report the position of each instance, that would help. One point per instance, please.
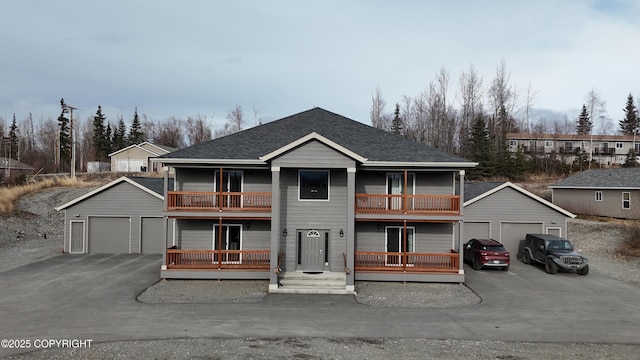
(189, 58)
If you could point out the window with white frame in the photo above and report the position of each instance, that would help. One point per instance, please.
(548, 143)
(619, 145)
(230, 238)
(626, 200)
(598, 195)
(313, 184)
(513, 143)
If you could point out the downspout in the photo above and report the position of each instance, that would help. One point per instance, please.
(165, 232)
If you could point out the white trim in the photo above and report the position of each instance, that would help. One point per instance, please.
(559, 228)
(523, 191)
(139, 146)
(105, 187)
(84, 235)
(313, 136)
(623, 200)
(596, 197)
(328, 185)
(595, 187)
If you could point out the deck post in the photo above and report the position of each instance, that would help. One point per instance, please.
(275, 226)
(351, 222)
(461, 225)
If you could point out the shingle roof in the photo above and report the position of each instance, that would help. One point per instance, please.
(602, 178)
(474, 189)
(154, 184)
(369, 142)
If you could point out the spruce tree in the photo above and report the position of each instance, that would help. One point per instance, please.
(396, 124)
(119, 135)
(100, 145)
(135, 133)
(481, 150)
(13, 139)
(584, 122)
(629, 125)
(108, 140)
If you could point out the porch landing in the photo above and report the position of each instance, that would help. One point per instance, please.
(298, 282)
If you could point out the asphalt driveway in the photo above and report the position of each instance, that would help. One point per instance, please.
(93, 297)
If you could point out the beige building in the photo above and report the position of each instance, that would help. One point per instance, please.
(137, 157)
(602, 149)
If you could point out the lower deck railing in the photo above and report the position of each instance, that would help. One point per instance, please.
(407, 262)
(218, 259)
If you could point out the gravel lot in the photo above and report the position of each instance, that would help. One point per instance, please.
(23, 241)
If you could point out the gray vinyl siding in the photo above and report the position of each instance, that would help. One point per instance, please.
(582, 201)
(314, 155)
(192, 234)
(328, 215)
(429, 237)
(509, 205)
(375, 182)
(188, 179)
(115, 201)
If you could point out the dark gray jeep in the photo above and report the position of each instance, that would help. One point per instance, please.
(554, 252)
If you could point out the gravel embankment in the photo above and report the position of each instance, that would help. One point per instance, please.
(22, 241)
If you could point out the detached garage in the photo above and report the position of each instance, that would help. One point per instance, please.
(124, 216)
(506, 212)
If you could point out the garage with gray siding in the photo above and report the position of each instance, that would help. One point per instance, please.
(506, 212)
(123, 216)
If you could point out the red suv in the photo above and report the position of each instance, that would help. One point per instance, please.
(486, 252)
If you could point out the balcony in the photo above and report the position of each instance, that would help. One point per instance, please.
(218, 201)
(395, 262)
(407, 204)
(257, 260)
(604, 151)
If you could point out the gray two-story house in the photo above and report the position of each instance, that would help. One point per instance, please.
(314, 193)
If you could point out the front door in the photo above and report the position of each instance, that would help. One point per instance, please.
(312, 250)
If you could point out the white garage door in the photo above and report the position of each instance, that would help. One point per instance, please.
(131, 165)
(512, 235)
(476, 230)
(109, 235)
(151, 237)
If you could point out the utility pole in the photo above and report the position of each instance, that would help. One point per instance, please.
(71, 140)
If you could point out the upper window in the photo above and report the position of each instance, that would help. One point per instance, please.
(313, 184)
(548, 143)
(619, 145)
(598, 195)
(513, 143)
(626, 200)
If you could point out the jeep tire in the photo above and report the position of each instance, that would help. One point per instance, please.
(550, 267)
(584, 270)
(526, 258)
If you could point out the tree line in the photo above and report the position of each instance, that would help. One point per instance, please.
(47, 144)
(473, 121)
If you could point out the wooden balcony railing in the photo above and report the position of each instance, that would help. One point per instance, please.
(218, 259)
(407, 262)
(238, 201)
(407, 204)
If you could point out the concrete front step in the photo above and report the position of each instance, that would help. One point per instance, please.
(297, 282)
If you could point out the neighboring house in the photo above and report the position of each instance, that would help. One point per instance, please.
(10, 168)
(314, 192)
(506, 212)
(123, 216)
(600, 192)
(602, 149)
(137, 157)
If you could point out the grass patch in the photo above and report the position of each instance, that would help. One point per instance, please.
(630, 247)
(10, 195)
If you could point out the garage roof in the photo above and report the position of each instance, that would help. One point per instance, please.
(153, 186)
(475, 191)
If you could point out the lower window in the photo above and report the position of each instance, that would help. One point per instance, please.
(396, 243)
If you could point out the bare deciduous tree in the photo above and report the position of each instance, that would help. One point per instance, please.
(169, 133)
(377, 115)
(198, 130)
(596, 107)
